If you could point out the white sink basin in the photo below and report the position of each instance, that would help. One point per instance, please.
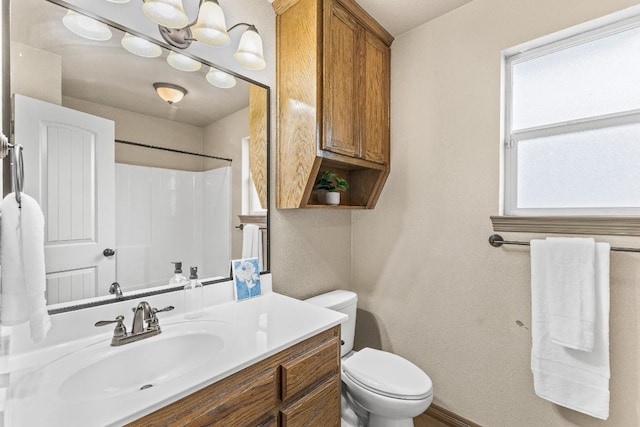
(100, 371)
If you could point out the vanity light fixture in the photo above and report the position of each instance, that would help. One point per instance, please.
(182, 62)
(86, 27)
(220, 79)
(169, 92)
(249, 53)
(141, 47)
(168, 13)
(209, 27)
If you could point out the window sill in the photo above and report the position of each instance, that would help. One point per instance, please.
(253, 219)
(594, 225)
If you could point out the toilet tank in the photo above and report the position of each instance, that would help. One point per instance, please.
(345, 302)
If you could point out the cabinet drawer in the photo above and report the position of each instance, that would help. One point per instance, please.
(310, 368)
(244, 405)
(320, 407)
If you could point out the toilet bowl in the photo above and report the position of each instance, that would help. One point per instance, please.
(380, 389)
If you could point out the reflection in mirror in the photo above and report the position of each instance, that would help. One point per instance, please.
(132, 176)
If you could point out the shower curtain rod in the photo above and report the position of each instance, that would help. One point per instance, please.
(173, 150)
(496, 241)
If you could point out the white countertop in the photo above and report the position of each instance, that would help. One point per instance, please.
(254, 330)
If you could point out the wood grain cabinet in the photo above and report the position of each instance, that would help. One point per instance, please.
(333, 101)
(299, 386)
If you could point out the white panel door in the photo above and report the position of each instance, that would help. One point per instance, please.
(69, 170)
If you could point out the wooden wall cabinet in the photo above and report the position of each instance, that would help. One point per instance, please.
(299, 386)
(333, 101)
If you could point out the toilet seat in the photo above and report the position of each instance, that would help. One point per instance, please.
(387, 374)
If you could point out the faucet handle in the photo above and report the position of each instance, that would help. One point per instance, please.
(120, 330)
(168, 308)
(153, 322)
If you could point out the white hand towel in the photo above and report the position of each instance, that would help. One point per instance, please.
(575, 379)
(23, 269)
(570, 270)
(252, 243)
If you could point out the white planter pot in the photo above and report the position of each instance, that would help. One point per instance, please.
(332, 198)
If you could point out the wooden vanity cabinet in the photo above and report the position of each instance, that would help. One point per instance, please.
(333, 101)
(299, 386)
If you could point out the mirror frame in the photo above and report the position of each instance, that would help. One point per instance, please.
(7, 111)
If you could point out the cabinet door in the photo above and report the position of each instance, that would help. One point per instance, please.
(375, 98)
(321, 407)
(340, 82)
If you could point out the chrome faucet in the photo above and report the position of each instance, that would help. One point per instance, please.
(115, 289)
(141, 314)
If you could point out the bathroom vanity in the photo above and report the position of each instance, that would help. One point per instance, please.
(270, 360)
(300, 386)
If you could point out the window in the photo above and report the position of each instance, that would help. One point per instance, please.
(572, 125)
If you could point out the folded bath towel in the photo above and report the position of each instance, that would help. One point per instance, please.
(22, 295)
(252, 243)
(572, 378)
(569, 270)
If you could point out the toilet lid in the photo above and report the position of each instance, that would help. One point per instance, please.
(387, 374)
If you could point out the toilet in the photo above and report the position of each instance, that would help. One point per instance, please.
(379, 389)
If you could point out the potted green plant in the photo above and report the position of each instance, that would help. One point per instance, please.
(333, 185)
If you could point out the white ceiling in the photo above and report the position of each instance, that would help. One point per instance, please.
(399, 16)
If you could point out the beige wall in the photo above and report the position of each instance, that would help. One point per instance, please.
(144, 129)
(432, 288)
(36, 73)
(223, 138)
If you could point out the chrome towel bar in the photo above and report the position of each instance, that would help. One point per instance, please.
(496, 241)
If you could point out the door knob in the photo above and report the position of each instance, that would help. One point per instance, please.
(108, 252)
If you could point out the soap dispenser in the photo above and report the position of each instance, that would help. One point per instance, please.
(178, 279)
(193, 295)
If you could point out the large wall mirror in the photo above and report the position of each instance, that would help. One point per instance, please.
(129, 176)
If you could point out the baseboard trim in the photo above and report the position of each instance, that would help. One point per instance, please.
(447, 417)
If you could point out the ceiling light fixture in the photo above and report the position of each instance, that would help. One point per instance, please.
(141, 47)
(86, 27)
(209, 27)
(170, 93)
(220, 79)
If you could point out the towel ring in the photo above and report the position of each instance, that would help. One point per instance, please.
(17, 172)
(17, 165)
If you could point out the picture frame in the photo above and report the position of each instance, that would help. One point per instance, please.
(246, 278)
